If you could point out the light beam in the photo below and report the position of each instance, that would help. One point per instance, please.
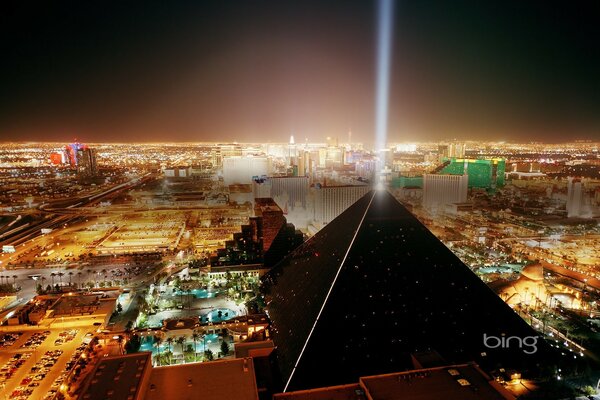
(385, 28)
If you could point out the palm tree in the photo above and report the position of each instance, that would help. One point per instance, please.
(195, 337)
(15, 280)
(70, 275)
(157, 342)
(60, 275)
(79, 278)
(169, 341)
(181, 342)
(52, 275)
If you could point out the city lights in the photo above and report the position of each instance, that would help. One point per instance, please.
(291, 200)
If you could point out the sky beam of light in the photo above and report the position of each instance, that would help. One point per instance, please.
(385, 27)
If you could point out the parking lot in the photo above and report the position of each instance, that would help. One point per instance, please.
(35, 362)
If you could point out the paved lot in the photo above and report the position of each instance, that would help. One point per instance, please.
(36, 355)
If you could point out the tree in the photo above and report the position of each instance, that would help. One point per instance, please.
(157, 342)
(224, 348)
(195, 337)
(119, 307)
(208, 355)
(133, 345)
(169, 342)
(39, 289)
(181, 342)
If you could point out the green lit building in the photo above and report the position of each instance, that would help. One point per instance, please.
(485, 174)
(407, 181)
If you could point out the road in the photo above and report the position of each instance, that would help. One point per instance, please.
(69, 212)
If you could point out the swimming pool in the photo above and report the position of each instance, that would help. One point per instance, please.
(218, 315)
(199, 293)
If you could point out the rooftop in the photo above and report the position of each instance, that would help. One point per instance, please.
(460, 382)
(118, 378)
(216, 380)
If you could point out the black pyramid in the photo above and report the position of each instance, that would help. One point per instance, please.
(374, 286)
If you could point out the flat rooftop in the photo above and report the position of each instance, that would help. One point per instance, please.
(216, 380)
(118, 378)
(83, 304)
(352, 391)
(460, 382)
(463, 382)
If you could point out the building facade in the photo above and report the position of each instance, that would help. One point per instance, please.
(439, 190)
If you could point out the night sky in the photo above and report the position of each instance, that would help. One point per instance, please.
(263, 70)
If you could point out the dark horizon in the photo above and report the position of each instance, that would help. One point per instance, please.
(261, 71)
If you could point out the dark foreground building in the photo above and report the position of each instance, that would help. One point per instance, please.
(375, 286)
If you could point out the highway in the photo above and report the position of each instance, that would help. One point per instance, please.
(69, 213)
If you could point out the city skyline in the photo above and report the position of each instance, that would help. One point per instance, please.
(247, 254)
(254, 72)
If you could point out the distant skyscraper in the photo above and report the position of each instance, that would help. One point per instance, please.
(574, 197)
(86, 162)
(452, 150)
(71, 152)
(439, 190)
(222, 151)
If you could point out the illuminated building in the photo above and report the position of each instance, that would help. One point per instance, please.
(292, 150)
(267, 238)
(72, 153)
(272, 220)
(373, 287)
(407, 181)
(365, 168)
(331, 201)
(452, 150)
(444, 189)
(574, 197)
(289, 191)
(222, 151)
(304, 162)
(486, 174)
(86, 162)
(177, 172)
(58, 158)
